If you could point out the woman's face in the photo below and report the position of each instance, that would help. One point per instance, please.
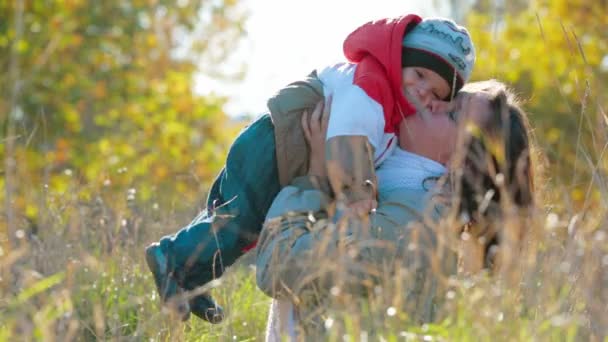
(434, 133)
(475, 106)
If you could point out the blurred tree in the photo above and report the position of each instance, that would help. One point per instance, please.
(98, 94)
(555, 54)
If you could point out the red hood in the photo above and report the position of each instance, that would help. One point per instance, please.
(371, 39)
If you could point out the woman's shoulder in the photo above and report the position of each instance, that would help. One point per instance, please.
(404, 205)
(415, 199)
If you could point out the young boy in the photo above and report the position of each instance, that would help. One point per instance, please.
(394, 66)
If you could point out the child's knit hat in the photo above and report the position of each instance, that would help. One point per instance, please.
(443, 46)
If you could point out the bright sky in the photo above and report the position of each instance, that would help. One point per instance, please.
(289, 38)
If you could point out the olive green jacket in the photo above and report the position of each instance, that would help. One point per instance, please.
(305, 250)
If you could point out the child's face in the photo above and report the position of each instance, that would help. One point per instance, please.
(422, 86)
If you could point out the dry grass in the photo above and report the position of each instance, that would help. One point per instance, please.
(78, 273)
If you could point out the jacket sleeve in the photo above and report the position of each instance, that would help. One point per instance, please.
(350, 167)
(284, 247)
(408, 239)
(302, 254)
(286, 108)
(304, 249)
(404, 231)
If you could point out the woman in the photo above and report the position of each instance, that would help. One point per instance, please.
(302, 258)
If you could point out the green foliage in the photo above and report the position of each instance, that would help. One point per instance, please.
(100, 96)
(555, 54)
(112, 297)
(102, 140)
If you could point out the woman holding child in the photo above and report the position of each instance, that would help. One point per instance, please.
(392, 66)
(310, 247)
(380, 126)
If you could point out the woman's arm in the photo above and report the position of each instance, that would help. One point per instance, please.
(301, 253)
(284, 245)
(304, 250)
(299, 248)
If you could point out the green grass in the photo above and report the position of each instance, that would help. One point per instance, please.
(77, 272)
(78, 280)
(81, 276)
(90, 294)
(118, 300)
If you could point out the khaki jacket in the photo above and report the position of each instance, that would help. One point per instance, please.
(304, 251)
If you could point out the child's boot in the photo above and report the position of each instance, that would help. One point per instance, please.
(237, 205)
(205, 307)
(171, 294)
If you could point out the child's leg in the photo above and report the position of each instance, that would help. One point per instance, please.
(244, 191)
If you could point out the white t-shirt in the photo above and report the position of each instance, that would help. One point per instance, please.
(353, 112)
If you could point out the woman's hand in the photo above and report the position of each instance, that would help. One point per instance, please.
(315, 130)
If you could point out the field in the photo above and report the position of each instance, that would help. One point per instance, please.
(106, 148)
(72, 283)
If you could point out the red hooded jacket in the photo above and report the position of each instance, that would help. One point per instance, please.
(376, 49)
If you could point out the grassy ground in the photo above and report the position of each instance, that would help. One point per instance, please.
(77, 285)
(83, 277)
(78, 274)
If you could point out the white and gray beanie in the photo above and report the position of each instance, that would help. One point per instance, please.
(443, 46)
